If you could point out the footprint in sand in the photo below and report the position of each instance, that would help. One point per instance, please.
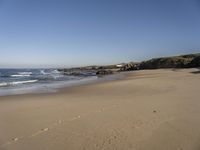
(45, 129)
(39, 132)
(154, 111)
(15, 139)
(75, 118)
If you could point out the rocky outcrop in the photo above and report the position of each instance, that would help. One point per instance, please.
(183, 61)
(77, 72)
(104, 72)
(90, 70)
(169, 62)
(195, 62)
(130, 66)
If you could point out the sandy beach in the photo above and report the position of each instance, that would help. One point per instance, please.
(147, 110)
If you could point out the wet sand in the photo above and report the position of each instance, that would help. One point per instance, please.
(148, 110)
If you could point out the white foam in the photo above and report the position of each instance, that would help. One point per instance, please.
(42, 72)
(20, 75)
(22, 82)
(56, 72)
(25, 73)
(3, 84)
(17, 82)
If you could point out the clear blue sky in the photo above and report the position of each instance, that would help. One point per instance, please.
(58, 33)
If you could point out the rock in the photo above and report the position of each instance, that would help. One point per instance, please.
(195, 62)
(168, 62)
(130, 66)
(183, 61)
(104, 72)
(75, 74)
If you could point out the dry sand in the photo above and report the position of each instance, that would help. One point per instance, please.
(148, 110)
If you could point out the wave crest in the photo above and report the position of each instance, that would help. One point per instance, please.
(22, 74)
(3, 84)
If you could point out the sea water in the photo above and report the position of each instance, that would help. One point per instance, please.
(21, 81)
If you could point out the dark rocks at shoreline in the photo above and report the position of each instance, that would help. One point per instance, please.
(77, 72)
(104, 72)
(73, 74)
(92, 70)
(130, 66)
(88, 71)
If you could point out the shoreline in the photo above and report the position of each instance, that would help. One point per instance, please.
(106, 78)
(102, 80)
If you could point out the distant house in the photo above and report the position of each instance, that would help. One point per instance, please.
(120, 65)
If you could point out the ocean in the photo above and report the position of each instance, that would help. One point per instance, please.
(21, 81)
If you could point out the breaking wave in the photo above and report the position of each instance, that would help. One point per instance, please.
(17, 82)
(22, 74)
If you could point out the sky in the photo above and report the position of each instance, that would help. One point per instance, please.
(66, 33)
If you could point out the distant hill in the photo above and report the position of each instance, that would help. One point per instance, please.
(182, 61)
